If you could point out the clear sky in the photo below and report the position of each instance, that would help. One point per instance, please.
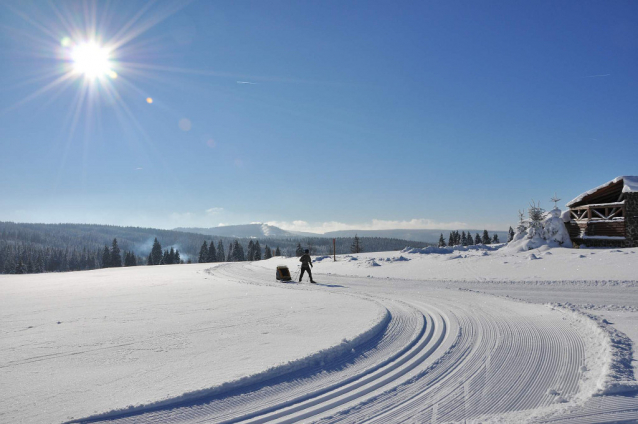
(338, 114)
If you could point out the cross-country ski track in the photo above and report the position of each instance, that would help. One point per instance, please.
(441, 355)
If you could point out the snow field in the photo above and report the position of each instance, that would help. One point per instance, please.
(81, 343)
(490, 264)
(461, 334)
(477, 357)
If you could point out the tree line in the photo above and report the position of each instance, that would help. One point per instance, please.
(34, 248)
(236, 253)
(462, 239)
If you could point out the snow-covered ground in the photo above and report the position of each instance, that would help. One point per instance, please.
(79, 343)
(429, 335)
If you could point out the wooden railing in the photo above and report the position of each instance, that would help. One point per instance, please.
(599, 212)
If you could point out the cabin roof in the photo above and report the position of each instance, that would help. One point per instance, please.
(606, 192)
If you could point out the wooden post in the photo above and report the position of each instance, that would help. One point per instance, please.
(334, 248)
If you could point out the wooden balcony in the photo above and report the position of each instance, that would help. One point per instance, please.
(602, 212)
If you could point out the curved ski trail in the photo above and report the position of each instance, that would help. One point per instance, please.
(448, 356)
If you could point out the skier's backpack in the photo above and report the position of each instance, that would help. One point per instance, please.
(283, 273)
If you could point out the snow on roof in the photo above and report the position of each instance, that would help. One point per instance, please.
(630, 186)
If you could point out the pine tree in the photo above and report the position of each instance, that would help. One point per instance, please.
(463, 239)
(116, 256)
(238, 252)
(277, 251)
(442, 241)
(251, 251)
(510, 235)
(477, 239)
(178, 259)
(486, 238)
(149, 261)
(165, 260)
(106, 257)
(171, 256)
(203, 253)
(257, 251)
(299, 251)
(212, 253)
(156, 252)
(230, 252)
(450, 239)
(495, 239)
(221, 257)
(20, 268)
(267, 253)
(356, 245)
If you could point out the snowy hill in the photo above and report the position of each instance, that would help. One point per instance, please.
(241, 231)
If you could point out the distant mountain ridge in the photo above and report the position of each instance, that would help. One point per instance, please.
(241, 231)
(265, 231)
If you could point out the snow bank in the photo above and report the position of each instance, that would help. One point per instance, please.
(610, 353)
(551, 233)
(451, 249)
(319, 358)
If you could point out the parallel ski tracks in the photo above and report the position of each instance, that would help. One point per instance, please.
(440, 359)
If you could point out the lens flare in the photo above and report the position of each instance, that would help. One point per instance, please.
(91, 60)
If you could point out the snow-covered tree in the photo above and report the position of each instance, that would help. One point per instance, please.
(535, 223)
(277, 251)
(477, 239)
(540, 229)
(463, 238)
(299, 250)
(442, 241)
(510, 235)
(495, 239)
(267, 252)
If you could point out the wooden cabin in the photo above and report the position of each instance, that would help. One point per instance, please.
(606, 216)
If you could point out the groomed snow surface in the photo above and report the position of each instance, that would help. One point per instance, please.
(424, 335)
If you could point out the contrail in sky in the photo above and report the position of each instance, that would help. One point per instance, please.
(594, 76)
(246, 82)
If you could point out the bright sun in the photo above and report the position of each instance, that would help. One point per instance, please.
(91, 60)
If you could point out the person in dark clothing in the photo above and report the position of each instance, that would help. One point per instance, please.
(306, 264)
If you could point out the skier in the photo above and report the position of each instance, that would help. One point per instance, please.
(306, 264)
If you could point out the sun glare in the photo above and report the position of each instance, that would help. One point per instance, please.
(91, 60)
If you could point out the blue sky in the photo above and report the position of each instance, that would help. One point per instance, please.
(316, 115)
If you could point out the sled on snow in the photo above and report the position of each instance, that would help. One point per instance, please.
(283, 273)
